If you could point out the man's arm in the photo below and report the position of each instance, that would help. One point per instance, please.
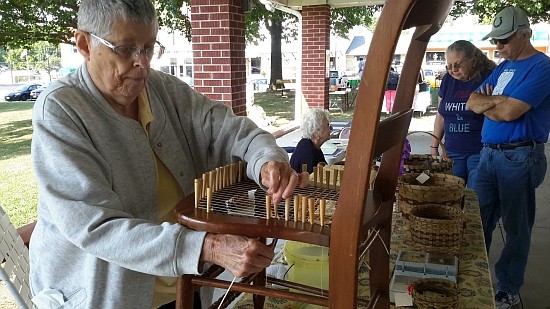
(479, 103)
(511, 110)
(491, 105)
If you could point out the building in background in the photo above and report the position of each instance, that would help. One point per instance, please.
(343, 55)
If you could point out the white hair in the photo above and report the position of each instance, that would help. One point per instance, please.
(312, 122)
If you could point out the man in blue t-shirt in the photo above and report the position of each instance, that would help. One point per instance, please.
(515, 100)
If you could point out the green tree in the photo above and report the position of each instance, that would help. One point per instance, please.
(537, 10)
(24, 22)
(40, 56)
(282, 26)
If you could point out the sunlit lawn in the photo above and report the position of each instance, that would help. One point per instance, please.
(282, 109)
(18, 193)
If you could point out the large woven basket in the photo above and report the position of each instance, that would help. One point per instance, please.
(417, 163)
(436, 228)
(441, 189)
(432, 293)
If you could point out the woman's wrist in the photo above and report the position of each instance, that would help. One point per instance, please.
(434, 147)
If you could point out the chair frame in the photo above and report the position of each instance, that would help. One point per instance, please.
(361, 225)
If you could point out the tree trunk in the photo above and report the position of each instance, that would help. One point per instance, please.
(276, 30)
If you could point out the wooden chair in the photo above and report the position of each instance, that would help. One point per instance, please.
(361, 225)
(14, 257)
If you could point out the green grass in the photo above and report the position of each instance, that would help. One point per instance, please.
(282, 109)
(19, 191)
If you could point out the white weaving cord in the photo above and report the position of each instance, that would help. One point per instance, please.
(227, 292)
(381, 240)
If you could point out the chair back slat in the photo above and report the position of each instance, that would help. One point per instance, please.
(357, 209)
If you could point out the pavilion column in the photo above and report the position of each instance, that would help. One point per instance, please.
(315, 44)
(218, 40)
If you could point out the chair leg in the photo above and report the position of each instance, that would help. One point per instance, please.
(184, 293)
(260, 280)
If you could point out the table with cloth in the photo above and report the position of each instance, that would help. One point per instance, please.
(474, 278)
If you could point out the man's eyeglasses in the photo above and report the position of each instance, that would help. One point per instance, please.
(501, 41)
(128, 52)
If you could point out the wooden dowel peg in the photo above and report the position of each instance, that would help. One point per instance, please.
(303, 205)
(311, 206)
(208, 199)
(204, 184)
(304, 167)
(240, 171)
(197, 192)
(218, 178)
(327, 179)
(335, 179)
(322, 209)
(296, 207)
(321, 175)
(211, 179)
(287, 208)
(314, 176)
(268, 207)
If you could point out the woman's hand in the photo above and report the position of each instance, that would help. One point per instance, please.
(281, 179)
(242, 256)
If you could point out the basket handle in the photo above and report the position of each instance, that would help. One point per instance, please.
(443, 150)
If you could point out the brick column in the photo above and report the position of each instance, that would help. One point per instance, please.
(218, 42)
(315, 43)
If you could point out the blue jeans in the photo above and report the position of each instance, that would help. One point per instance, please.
(505, 185)
(465, 166)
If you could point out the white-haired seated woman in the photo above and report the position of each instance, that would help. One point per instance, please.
(315, 131)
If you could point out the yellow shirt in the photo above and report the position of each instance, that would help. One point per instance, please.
(169, 194)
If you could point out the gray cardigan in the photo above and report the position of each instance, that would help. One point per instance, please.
(96, 240)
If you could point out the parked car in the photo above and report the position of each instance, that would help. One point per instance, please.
(36, 92)
(21, 93)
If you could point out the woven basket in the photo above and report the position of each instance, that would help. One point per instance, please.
(417, 163)
(436, 228)
(432, 293)
(439, 189)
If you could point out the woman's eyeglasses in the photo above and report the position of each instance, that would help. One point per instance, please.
(452, 67)
(127, 52)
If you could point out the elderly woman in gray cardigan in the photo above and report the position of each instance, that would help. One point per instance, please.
(116, 145)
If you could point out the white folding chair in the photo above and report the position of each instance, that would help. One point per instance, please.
(14, 255)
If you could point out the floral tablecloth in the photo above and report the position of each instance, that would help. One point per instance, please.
(474, 278)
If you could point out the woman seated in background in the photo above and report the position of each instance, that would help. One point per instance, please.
(467, 67)
(315, 131)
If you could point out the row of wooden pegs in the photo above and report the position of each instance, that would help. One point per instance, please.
(218, 179)
(322, 178)
(303, 208)
(233, 173)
